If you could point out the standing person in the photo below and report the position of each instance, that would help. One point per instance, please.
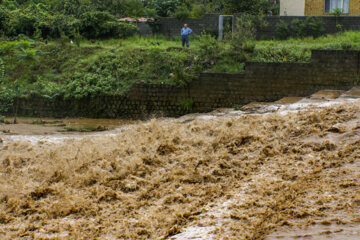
(185, 32)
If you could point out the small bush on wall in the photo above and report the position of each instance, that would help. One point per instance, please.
(311, 27)
(314, 26)
(282, 30)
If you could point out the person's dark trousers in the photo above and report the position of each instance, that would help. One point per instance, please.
(185, 39)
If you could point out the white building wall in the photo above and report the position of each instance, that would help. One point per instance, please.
(292, 7)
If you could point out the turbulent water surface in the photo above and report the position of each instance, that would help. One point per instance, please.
(286, 170)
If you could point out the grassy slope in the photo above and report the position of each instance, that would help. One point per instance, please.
(112, 66)
(293, 50)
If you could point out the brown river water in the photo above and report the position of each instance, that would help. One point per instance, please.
(283, 170)
(48, 126)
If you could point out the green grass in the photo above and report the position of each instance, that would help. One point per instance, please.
(138, 42)
(299, 50)
(335, 41)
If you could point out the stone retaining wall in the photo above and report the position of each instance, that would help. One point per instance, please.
(260, 82)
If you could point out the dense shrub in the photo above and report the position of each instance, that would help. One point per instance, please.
(6, 100)
(312, 26)
(281, 54)
(97, 24)
(214, 32)
(71, 7)
(38, 20)
(245, 28)
(4, 19)
(54, 26)
(315, 27)
(209, 49)
(125, 30)
(114, 73)
(282, 30)
(102, 25)
(298, 28)
(243, 36)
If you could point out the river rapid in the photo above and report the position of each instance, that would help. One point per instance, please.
(283, 170)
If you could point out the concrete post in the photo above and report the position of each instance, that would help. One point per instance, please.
(221, 25)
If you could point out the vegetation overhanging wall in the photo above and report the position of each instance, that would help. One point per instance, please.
(260, 82)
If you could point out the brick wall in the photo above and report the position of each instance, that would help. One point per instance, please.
(316, 8)
(144, 29)
(260, 82)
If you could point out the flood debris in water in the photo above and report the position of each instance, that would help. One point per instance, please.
(252, 176)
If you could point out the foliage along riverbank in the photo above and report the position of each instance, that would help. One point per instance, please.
(111, 67)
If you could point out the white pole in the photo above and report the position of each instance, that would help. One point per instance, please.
(221, 27)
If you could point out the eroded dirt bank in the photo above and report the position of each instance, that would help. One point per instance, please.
(242, 177)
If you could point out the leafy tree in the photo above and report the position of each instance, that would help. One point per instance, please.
(209, 49)
(4, 19)
(213, 6)
(98, 24)
(10, 5)
(134, 8)
(242, 43)
(53, 25)
(72, 7)
(164, 8)
(248, 6)
(115, 7)
(181, 12)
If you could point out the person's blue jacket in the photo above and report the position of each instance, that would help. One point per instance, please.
(185, 32)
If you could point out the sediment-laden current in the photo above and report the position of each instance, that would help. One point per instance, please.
(280, 174)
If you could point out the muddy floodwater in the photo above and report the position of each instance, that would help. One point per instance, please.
(283, 170)
(49, 126)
